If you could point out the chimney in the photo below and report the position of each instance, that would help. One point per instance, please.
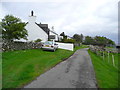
(32, 18)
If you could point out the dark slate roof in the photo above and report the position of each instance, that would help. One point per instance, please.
(44, 27)
(53, 32)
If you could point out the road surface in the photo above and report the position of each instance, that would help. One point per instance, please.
(75, 72)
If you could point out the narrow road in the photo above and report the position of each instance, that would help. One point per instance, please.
(75, 72)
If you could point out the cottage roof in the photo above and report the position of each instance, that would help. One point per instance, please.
(44, 27)
(53, 32)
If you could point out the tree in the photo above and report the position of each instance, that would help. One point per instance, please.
(81, 38)
(111, 42)
(64, 37)
(101, 41)
(77, 38)
(62, 34)
(13, 28)
(98, 40)
(0, 29)
(89, 40)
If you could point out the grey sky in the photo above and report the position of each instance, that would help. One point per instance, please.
(89, 17)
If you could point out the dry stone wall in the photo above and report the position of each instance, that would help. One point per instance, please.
(20, 46)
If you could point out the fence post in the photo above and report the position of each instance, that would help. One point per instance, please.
(113, 60)
(103, 55)
(108, 56)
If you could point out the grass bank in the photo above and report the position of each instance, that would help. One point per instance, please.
(21, 67)
(106, 73)
(0, 70)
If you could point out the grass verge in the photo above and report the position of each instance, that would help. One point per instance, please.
(21, 67)
(0, 70)
(106, 73)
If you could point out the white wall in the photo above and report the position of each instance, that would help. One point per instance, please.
(34, 31)
(67, 46)
(32, 19)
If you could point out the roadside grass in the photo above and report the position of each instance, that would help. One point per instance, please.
(80, 47)
(23, 66)
(0, 70)
(106, 73)
(109, 47)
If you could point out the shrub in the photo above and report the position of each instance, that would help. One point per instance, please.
(38, 40)
(68, 41)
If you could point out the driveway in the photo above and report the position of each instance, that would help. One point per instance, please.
(75, 72)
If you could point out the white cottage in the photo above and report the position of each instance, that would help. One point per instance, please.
(34, 30)
(39, 31)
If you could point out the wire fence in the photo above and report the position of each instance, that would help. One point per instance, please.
(108, 55)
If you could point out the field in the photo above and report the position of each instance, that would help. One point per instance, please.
(21, 67)
(106, 73)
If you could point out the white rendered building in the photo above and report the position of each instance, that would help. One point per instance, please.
(34, 30)
(38, 31)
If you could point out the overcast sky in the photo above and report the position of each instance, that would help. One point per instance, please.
(89, 17)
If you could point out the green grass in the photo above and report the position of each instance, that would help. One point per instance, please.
(0, 70)
(80, 47)
(23, 66)
(106, 73)
(109, 47)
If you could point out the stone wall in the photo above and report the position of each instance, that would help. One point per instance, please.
(20, 46)
(98, 48)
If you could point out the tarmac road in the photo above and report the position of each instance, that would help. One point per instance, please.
(75, 72)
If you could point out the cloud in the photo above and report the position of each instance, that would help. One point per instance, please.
(90, 17)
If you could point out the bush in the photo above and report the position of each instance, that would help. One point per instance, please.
(38, 40)
(68, 41)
